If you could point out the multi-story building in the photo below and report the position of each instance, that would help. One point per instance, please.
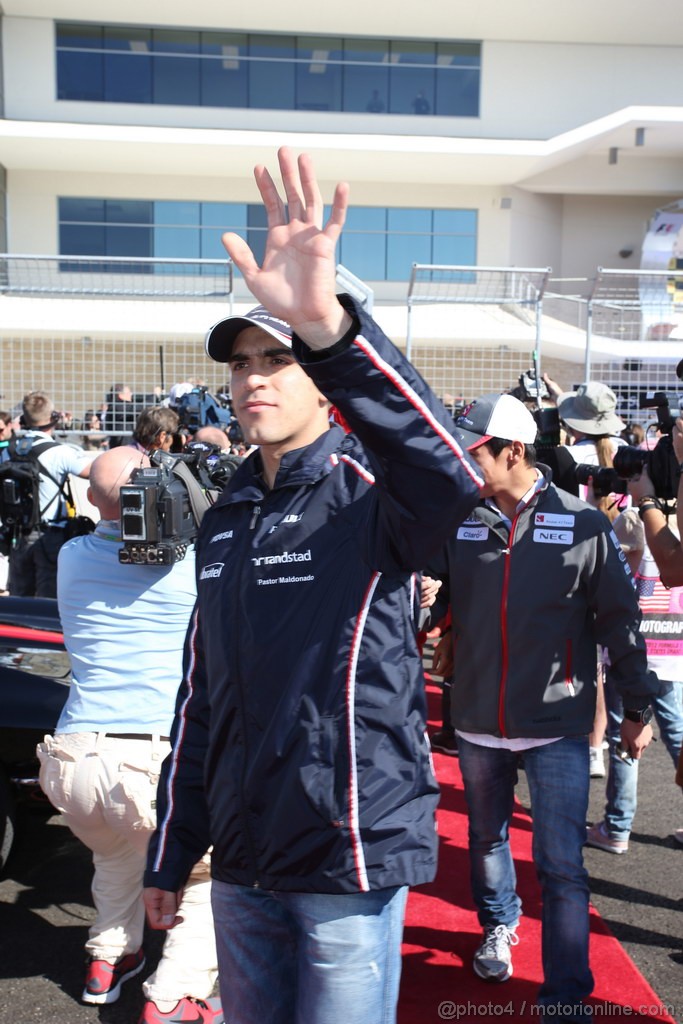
(493, 135)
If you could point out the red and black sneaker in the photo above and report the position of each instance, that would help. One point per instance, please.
(187, 1011)
(103, 980)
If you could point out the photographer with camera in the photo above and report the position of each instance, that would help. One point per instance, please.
(157, 427)
(589, 415)
(124, 628)
(35, 523)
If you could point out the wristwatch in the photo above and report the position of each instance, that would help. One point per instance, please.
(643, 715)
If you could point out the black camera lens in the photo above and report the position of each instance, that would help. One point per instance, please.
(629, 461)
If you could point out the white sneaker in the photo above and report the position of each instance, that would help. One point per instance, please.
(598, 836)
(678, 835)
(493, 959)
(597, 763)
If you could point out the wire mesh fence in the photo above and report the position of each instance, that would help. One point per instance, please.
(81, 327)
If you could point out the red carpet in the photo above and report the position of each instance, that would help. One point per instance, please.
(442, 932)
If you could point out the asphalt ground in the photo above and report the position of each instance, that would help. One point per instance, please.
(45, 908)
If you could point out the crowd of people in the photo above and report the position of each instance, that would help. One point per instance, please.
(258, 709)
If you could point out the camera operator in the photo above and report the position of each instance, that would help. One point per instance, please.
(158, 427)
(124, 628)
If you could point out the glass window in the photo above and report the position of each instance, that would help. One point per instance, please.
(319, 74)
(82, 36)
(409, 241)
(257, 225)
(225, 216)
(217, 218)
(366, 75)
(377, 243)
(457, 222)
(176, 230)
(80, 76)
(271, 72)
(81, 240)
(81, 209)
(401, 219)
(363, 245)
(128, 211)
(127, 240)
(224, 70)
(457, 249)
(175, 79)
(176, 243)
(127, 65)
(176, 212)
(412, 78)
(457, 79)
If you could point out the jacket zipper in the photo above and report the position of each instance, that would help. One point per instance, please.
(256, 512)
(504, 624)
(569, 681)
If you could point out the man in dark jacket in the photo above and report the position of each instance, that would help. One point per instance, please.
(299, 747)
(546, 583)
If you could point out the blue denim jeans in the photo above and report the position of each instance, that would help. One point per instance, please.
(622, 777)
(299, 958)
(558, 778)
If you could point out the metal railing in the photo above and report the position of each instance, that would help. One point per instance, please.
(519, 290)
(116, 276)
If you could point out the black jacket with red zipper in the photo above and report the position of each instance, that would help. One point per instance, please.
(529, 606)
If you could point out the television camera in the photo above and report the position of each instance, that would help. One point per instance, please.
(163, 505)
(197, 408)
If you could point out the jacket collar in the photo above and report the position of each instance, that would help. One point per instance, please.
(486, 514)
(300, 467)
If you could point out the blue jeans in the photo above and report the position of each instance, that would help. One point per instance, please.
(622, 777)
(299, 958)
(558, 778)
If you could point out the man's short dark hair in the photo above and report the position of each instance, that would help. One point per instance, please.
(497, 444)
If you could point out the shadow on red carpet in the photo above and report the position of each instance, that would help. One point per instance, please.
(442, 933)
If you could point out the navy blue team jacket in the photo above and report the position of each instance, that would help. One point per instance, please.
(299, 745)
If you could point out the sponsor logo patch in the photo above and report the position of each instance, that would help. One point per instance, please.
(553, 536)
(553, 519)
(284, 558)
(466, 532)
(221, 536)
(212, 572)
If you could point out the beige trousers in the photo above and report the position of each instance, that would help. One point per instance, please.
(105, 788)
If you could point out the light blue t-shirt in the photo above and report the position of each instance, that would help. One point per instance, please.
(59, 461)
(124, 628)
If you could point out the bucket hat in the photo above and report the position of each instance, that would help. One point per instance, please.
(591, 409)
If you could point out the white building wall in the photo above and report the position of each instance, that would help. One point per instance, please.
(596, 228)
(536, 230)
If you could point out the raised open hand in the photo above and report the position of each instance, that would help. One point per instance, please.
(297, 279)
